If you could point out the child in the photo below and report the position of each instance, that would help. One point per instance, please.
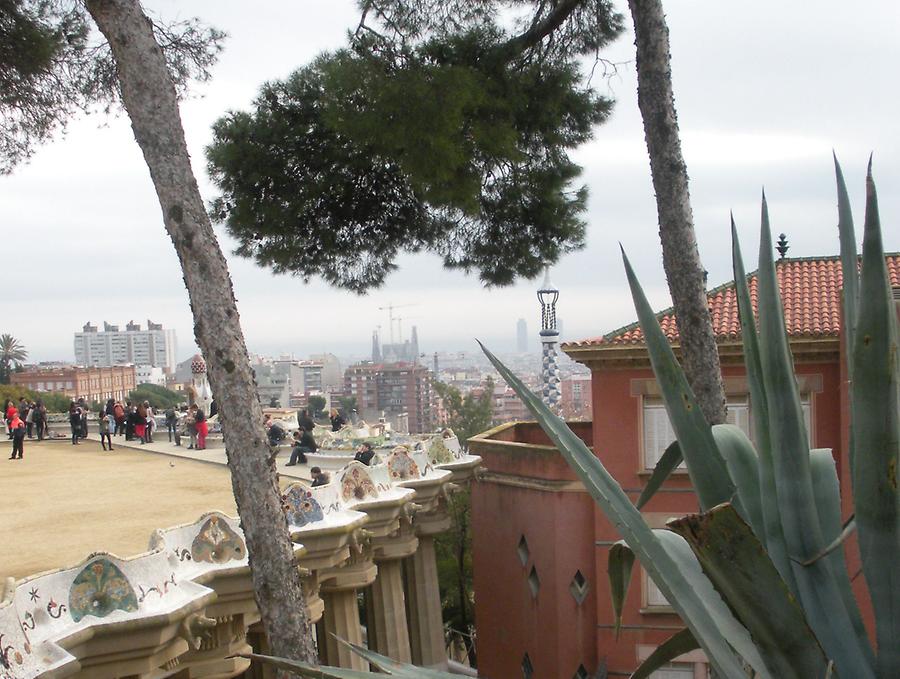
(105, 425)
(17, 427)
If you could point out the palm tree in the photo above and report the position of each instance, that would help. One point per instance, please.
(12, 353)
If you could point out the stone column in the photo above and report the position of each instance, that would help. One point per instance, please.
(426, 624)
(390, 636)
(342, 618)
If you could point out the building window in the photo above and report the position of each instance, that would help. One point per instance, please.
(534, 582)
(579, 587)
(523, 551)
(674, 671)
(658, 432)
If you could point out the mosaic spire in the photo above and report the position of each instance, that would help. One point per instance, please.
(547, 295)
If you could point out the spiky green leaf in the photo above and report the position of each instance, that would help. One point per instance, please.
(875, 399)
(619, 563)
(678, 644)
(667, 463)
(849, 262)
(759, 410)
(743, 467)
(827, 490)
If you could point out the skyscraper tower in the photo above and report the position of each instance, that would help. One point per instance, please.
(522, 336)
(547, 296)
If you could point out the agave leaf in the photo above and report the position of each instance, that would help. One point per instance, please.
(678, 644)
(670, 459)
(875, 393)
(743, 467)
(816, 586)
(618, 567)
(394, 667)
(849, 262)
(706, 467)
(774, 534)
(827, 489)
(741, 571)
(850, 279)
(848, 530)
(307, 670)
(707, 619)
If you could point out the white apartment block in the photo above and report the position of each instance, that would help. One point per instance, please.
(153, 346)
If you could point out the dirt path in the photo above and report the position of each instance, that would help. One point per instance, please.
(63, 502)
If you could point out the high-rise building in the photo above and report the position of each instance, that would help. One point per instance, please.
(522, 336)
(396, 389)
(154, 346)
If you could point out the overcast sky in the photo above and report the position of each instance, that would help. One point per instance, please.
(764, 91)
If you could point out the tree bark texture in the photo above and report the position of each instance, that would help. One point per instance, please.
(681, 259)
(150, 100)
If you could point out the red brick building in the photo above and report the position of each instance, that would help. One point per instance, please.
(92, 384)
(542, 595)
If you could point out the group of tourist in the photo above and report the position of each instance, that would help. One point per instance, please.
(33, 415)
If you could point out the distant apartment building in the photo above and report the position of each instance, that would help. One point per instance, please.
(395, 389)
(332, 374)
(575, 399)
(507, 407)
(92, 384)
(154, 346)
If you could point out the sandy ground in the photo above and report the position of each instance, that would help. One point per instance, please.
(63, 502)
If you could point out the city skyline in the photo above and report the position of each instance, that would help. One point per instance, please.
(91, 237)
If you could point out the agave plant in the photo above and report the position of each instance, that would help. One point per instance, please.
(757, 576)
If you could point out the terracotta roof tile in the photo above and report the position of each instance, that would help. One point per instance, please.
(810, 294)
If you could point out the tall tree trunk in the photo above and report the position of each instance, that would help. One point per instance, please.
(681, 259)
(150, 100)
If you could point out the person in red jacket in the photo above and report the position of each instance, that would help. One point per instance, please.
(17, 427)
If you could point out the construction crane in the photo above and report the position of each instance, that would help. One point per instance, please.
(390, 309)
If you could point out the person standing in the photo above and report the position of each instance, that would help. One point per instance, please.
(130, 420)
(40, 419)
(29, 420)
(304, 421)
(82, 431)
(202, 427)
(170, 422)
(75, 422)
(17, 425)
(119, 417)
(140, 422)
(105, 426)
(8, 413)
(151, 422)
